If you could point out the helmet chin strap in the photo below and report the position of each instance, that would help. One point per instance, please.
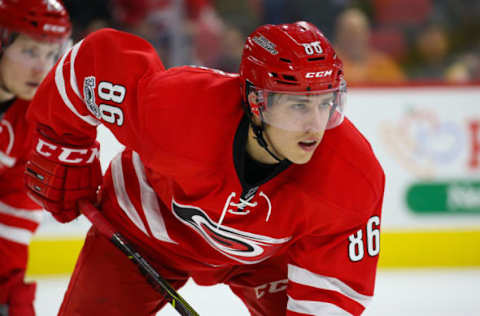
(258, 131)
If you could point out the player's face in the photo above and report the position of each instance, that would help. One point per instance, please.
(25, 63)
(296, 124)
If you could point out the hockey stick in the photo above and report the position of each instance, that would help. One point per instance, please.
(152, 276)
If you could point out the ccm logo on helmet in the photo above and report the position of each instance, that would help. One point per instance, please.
(65, 154)
(54, 28)
(319, 74)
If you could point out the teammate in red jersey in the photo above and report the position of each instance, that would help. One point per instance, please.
(253, 180)
(32, 36)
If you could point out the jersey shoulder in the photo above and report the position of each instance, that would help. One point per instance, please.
(199, 96)
(112, 39)
(192, 112)
(115, 56)
(344, 174)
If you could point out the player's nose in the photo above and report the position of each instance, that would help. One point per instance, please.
(316, 121)
(41, 65)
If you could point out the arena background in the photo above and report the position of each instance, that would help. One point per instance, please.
(413, 70)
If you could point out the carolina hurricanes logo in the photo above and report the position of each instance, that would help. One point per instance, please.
(238, 245)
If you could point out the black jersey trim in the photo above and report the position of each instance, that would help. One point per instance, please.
(4, 106)
(239, 158)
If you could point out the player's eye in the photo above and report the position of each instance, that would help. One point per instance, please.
(30, 52)
(326, 104)
(298, 106)
(53, 55)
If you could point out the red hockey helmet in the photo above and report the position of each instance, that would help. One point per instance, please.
(45, 20)
(292, 59)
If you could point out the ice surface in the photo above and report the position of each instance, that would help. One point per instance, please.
(398, 293)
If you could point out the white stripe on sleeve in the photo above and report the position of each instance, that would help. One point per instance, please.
(7, 160)
(315, 308)
(302, 276)
(11, 135)
(31, 215)
(122, 195)
(15, 234)
(60, 83)
(150, 203)
(73, 76)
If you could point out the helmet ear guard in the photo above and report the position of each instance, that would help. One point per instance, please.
(253, 105)
(254, 109)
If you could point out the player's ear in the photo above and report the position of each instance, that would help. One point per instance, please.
(254, 107)
(252, 98)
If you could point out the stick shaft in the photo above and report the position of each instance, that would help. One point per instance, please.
(152, 276)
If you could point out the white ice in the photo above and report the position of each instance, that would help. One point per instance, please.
(398, 293)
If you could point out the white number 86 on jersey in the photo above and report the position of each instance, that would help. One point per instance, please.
(356, 249)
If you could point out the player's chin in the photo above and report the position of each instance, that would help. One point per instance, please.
(26, 94)
(302, 154)
(301, 158)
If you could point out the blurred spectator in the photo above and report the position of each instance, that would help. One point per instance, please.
(362, 63)
(462, 21)
(402, 13)
(321, 13)
(183, 31)
(162, 23)
(466, 68)
(431, 58)
(206, 30)
(461, 18)
(231, 49)
(86, 21)
(276, 12)
(244, 15)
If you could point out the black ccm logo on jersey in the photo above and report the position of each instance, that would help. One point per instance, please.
(238, 245)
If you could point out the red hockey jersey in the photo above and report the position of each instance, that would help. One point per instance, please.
(180, 184)
(19, 215)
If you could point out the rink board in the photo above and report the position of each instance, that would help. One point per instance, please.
(427, 139)
(399, 249)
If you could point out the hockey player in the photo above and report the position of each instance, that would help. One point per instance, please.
(280, 198)
(32, 36)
